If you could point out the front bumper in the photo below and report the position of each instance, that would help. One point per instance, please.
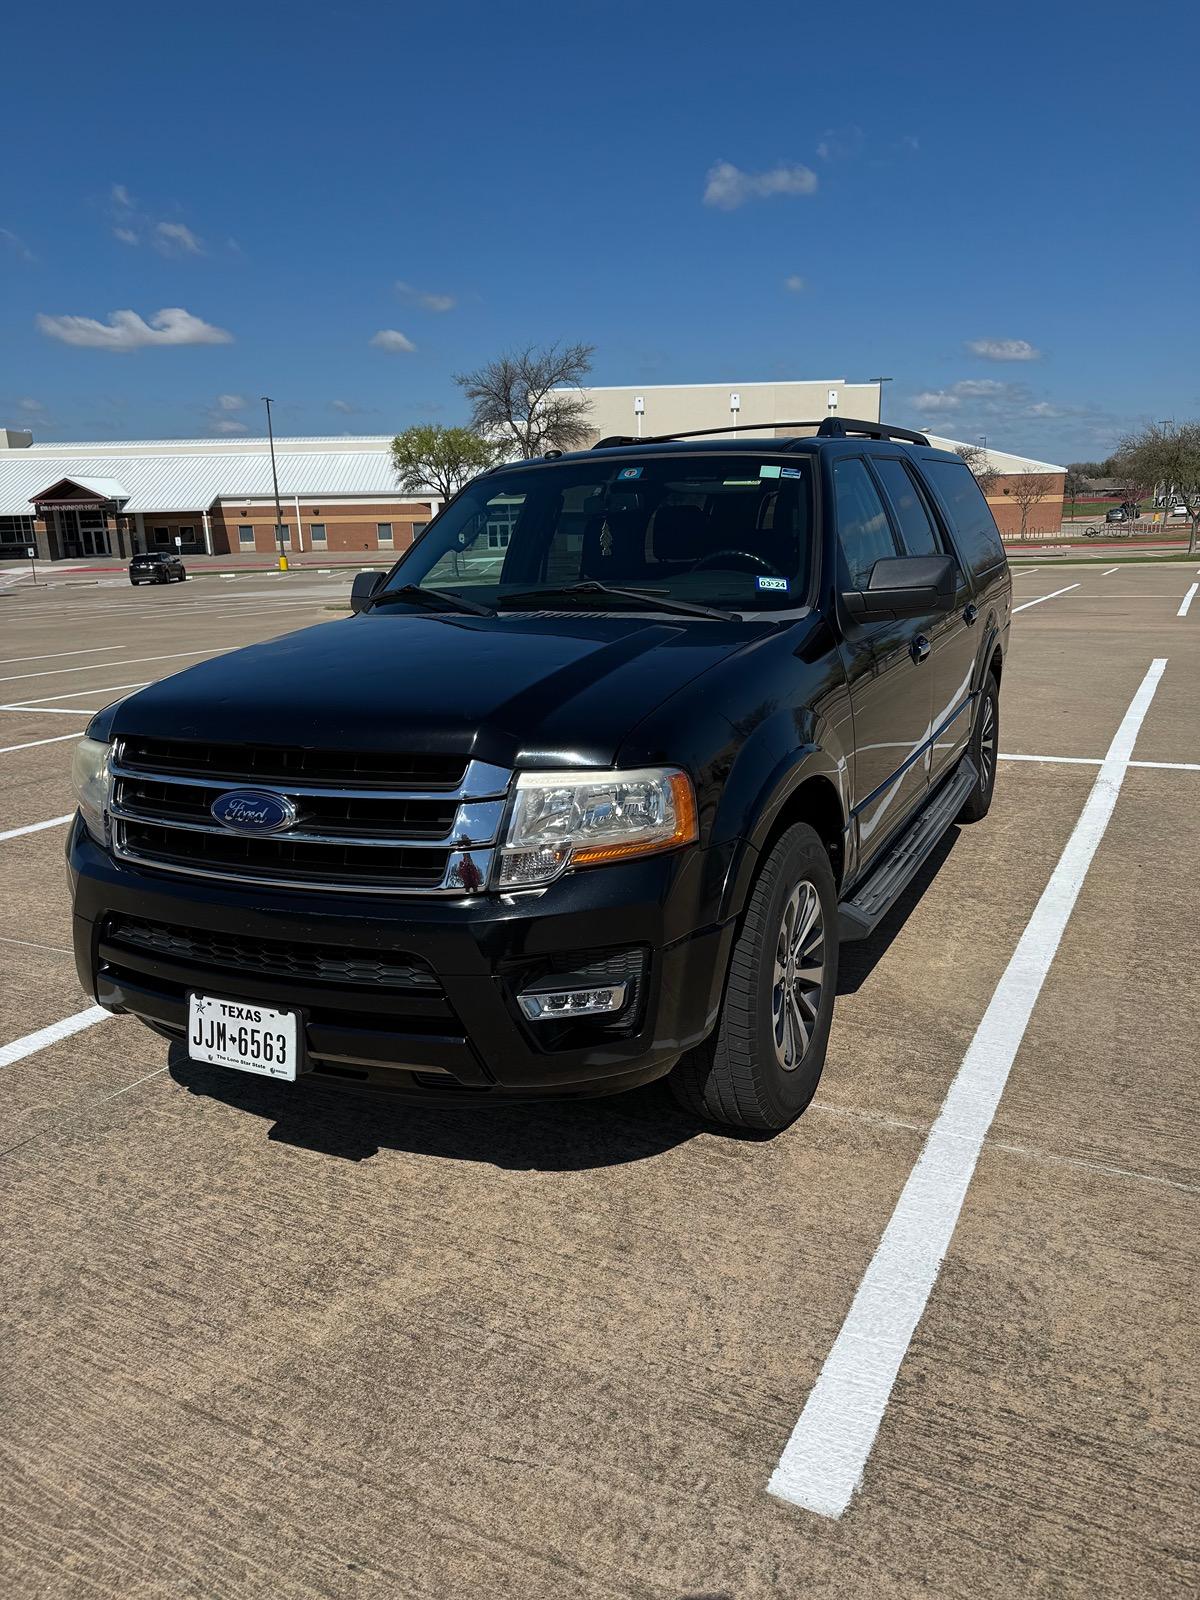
(461, 1034)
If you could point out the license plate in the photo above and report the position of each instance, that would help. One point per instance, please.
(245, 1036)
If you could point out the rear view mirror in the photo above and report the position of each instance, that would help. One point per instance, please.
(363, 587)
(905, 586)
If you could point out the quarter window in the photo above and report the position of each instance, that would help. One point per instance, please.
(863, 527)
(917, 532)
(976, 534)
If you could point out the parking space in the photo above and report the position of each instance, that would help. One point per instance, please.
(261, 1341)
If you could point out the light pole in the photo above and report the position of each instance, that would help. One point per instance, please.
(283, 566)
(880, 382)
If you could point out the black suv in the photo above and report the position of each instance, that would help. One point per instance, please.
(157, 566)
(587, 792)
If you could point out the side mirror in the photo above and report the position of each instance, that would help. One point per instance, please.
(905, 586)
(363, 587)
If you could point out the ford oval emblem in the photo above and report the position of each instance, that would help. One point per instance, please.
(253, 811)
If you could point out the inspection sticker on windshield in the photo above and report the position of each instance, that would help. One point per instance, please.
(772, 583)
(791, 472)
(630, 472)
(770, 470)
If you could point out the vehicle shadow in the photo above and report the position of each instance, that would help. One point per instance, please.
(538, 1136)
(859, 958)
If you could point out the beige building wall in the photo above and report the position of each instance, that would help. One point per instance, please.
(671, 408)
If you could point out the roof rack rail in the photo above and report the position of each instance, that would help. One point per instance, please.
(827, 428)
(617, 439)
(845, 427)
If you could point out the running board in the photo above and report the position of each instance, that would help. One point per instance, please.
(879, 891)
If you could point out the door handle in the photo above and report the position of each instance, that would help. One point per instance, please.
(970, 613)
(919, 648)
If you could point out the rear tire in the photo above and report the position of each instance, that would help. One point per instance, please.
(984, 749)
(761, 1065)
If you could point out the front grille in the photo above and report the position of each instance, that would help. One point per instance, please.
(336, 964)
(353, 827)
(279, 764)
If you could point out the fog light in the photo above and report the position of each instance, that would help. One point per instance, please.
(546, 1004)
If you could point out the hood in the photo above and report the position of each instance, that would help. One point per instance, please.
(518, 689)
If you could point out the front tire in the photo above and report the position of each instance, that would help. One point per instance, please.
(984, 749)
(761, 1065)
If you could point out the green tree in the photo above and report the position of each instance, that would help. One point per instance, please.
(523, 399)
(1166, 454)
(430, 457)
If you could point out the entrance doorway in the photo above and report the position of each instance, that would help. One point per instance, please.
(83, 533)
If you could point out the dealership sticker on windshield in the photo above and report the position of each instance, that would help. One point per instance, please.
(768, 471)
(791, 472)
(772, 583)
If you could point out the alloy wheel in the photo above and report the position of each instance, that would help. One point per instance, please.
(987, 742)
(799, 975)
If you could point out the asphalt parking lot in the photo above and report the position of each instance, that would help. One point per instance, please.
(259, 1342)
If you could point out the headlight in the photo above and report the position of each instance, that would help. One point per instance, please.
(585, 819)
(91, 780)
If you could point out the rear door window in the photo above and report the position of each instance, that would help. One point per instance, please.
(913, 518)
(864, 532)
(975, 530)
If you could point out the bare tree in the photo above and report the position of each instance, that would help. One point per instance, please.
(980, 464)
(1028, 488)
(1166, 454)
(515, 399)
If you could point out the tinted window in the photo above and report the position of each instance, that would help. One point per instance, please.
(917, 533)
(863, 527)
(976, 534)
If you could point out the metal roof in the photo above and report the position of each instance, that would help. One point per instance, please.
(192, 482)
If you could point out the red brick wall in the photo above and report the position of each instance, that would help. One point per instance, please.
(348, 527)
(1044, 517)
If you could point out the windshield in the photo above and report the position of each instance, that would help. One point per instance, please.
(721, 531)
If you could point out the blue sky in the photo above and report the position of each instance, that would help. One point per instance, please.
(996, 207)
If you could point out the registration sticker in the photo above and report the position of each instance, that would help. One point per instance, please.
(772, 583)
(770, 470)
(630, 472)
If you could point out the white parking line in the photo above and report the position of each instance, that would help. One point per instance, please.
(51, 711)
(7, 749)
(54, 655)
(33, 1042)
(1098, 761)
(36, 827)
(73, 694)
(1026, 604)
(824, 1460)
(1187, 601)
(1110, 572)
(99, 666)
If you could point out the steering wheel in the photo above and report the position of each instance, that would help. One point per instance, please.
(738, 555)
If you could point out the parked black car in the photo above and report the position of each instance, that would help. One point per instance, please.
(157, 566)
(588, 791)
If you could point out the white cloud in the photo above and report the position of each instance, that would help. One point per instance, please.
(981, 388)
(840, 144)
(930, 400)
(1003, 349)
(126, 236)
(794, 284)
(727, 187)
(16, 245)
(126, 330)
(121, 196)
(391, 339)
(344, 406)
(175, 239)
(425, 298)
(231, 402)
(228, 425)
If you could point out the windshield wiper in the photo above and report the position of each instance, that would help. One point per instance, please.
(657, 598)
(441, 597)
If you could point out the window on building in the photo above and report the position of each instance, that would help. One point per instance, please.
(283, 534)
(317, 530)
(383, 531)
(246, 535)
(188, 535)
(917, 532)
(863, 526)
(418, 528)
(16, 531)
(162, 536)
